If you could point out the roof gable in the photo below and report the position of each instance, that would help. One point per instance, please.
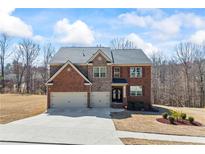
(62, 68)
(96, 54)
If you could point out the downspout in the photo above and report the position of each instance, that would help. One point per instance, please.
(89, 96)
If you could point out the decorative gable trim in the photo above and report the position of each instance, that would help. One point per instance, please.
(99, 52)
(62, 68)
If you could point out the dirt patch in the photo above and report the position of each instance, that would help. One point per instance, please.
(14, 106)
(135, 141)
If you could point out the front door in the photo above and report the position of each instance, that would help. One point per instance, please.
(117, 95)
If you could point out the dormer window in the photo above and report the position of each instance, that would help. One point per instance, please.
(99, 72)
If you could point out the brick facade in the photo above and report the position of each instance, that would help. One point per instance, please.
(145, 82)
(68, 80)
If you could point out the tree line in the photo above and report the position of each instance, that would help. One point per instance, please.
(180, 81)
(176, 81)
(24, 74)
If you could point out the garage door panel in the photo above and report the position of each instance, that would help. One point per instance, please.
(100, 99)
(68, 99)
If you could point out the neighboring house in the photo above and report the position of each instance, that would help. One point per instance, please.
(98, 77)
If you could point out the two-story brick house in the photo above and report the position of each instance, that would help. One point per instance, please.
(98, 77)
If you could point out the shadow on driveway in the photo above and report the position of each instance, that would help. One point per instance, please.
(83, 112)
(126, 114)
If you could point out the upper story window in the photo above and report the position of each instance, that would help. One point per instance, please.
(99, 72)
(135, 90)
(116, 72)
(135, 72)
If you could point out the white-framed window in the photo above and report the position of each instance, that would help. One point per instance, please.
(99, 72)
(136, 91)
(135, 72)
(116, 72)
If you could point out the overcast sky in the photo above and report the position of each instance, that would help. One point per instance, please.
(149, 29)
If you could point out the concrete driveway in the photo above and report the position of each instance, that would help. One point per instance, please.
(73, 126)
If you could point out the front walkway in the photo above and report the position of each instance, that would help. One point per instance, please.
(151, 136)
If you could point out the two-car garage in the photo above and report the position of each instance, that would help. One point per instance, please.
(79, 99)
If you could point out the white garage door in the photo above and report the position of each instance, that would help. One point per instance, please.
(100, 99)
(68, 99)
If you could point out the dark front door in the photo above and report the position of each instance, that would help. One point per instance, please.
(117, 95)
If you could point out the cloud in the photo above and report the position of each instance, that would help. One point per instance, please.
(161, 25)
(198, 37)
(140, 43)
(38, 38)
(77, 33)
(12, 25)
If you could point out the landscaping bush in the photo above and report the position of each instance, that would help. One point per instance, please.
(183, 116)
(171, 119)
(191, 119)
(165, 115)
(130, 106)
(175, 114)
(136, 106)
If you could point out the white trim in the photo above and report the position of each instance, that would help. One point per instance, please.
(99, 52)
(119, 84)
(49, 84)
(68, 62)
(87, 84)
(124, 91)
(132, 65)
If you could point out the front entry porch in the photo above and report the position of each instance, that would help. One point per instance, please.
(118, 93)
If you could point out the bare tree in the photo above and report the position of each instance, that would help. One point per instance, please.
(199, 61)
(18, 68)
(184, 53)
(122, 43)
(4, 40)
(29, 52)
(48, 51)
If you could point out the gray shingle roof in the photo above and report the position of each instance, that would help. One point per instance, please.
(77, 54)
(130, 56)
(82, 54)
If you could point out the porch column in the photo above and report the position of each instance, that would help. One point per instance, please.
(124, 91)
(124, 96)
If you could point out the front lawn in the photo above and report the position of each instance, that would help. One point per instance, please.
(139, 121)
(14, 106)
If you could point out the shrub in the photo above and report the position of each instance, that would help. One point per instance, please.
(183, 116)
(191, 119)
(165, 115)
(175, 114)
(130, 106)
(171, 119)
(136, 106)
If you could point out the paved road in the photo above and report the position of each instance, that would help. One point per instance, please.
(76, 126)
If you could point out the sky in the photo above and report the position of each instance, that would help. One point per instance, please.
(152, 30)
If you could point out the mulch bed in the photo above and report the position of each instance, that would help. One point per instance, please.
(179, 122)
